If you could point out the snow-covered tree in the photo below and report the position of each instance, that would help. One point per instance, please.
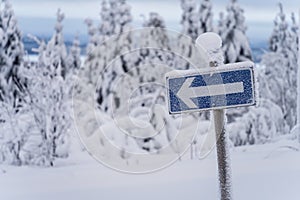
(148, 72)
(258, 126)
(196, 19)
(235, 42)
(50, 105)
(236, 48)
(281, 35)
(48, 89)
(190, 18)
(136, 67)
(13, 133)
(281, 69)
(276, 113)
(113, 39)
(93, 54)
(190, 22)
(295, 33)
(73, 59)
(11, 55)
(274, 39)
(221, 22)
(154, 33)
(206, 17)
(15, 128)
(56, 47)
(140, 70)
(122, 18)
(105, 27)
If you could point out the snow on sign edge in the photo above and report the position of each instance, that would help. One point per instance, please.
(224, 68)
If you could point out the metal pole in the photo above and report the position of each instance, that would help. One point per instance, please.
(223, 156)
(213, 45)
(222, 144)
(298, 82)
(298, 76)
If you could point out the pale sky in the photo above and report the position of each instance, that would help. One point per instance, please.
(37, 16)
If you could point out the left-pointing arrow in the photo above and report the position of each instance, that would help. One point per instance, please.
(186, 92)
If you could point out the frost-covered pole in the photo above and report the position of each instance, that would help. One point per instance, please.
(223, 155)
(298, 77)
(212, 43)
(298, 81)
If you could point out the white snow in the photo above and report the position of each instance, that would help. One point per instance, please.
(259, 172)
(39, 128)
(210, 41)
(221, 68)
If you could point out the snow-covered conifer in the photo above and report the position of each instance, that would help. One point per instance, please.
(281, 68)
(48, 86)
(73, 59)
(190, 22)
(235, 42)
(105, 27)
(123, 16)
(117, 16)
(56, 48)
(14, 129)
(190, 18)
(148, 73)
(50, 105)
(11, 55)
(93, 54)
(206, 17)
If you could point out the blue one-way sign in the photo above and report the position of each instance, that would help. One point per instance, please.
(228, 86)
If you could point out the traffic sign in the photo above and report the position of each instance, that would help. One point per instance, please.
(231, 85)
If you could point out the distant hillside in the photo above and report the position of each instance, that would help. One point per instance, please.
(257, 47)
(30, 44)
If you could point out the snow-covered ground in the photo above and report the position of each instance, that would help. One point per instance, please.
(34, 58)
(259, 172)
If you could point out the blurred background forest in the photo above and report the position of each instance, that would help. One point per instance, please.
(38, 71)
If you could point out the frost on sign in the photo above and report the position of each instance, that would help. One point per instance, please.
(228, 86)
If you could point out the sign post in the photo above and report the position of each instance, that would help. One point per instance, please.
(223, 154)
(215, 88)
(298, 81)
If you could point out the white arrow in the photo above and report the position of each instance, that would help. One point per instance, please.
(186, 93)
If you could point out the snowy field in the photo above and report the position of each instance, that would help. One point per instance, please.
(116, 121)
(259, 172)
